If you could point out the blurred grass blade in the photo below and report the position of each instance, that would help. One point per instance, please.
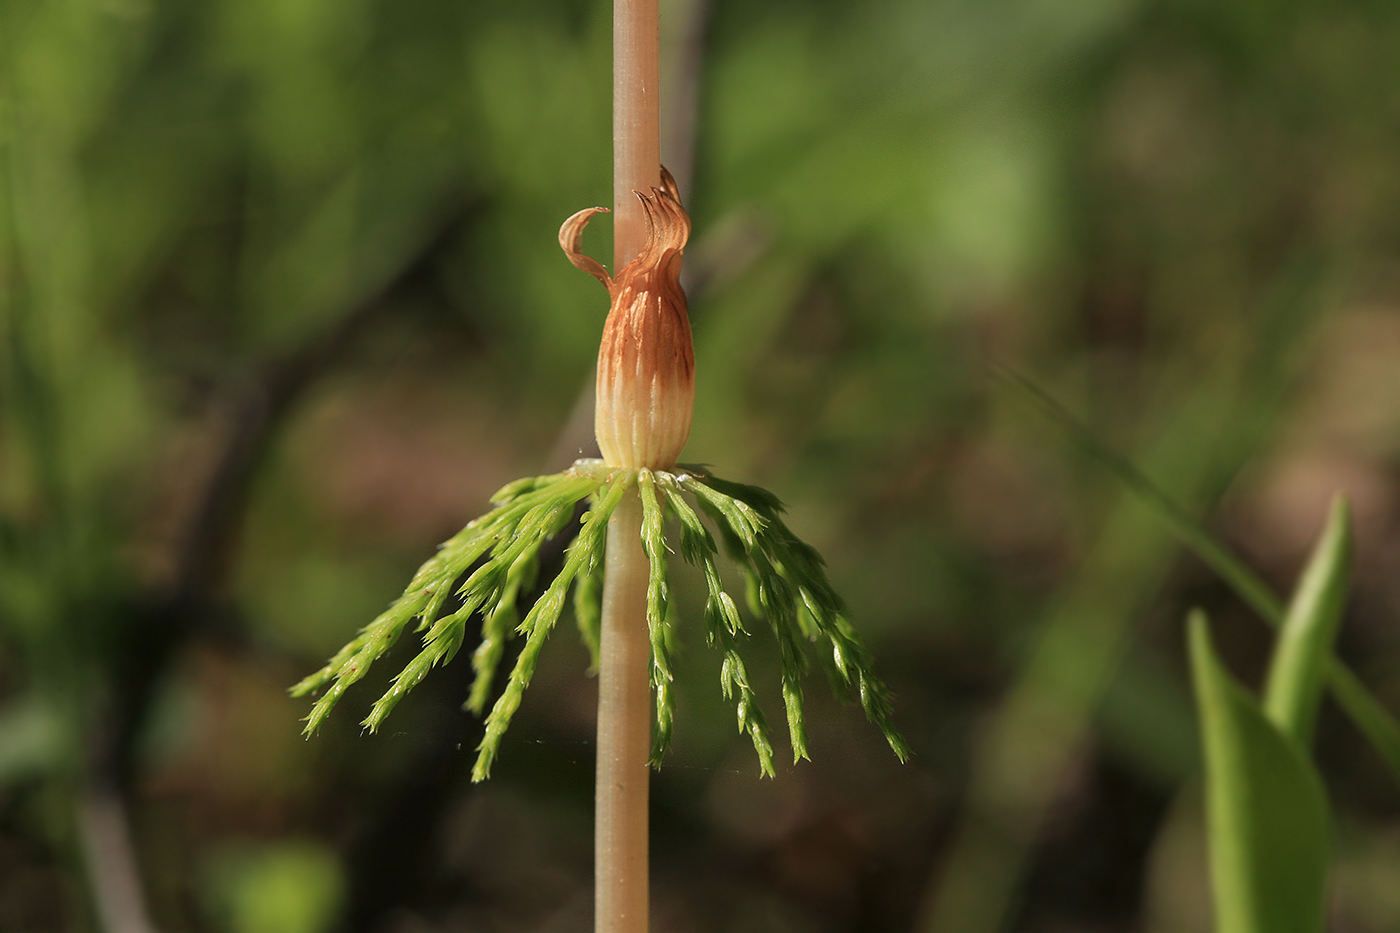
(1266, 809)
(1368, 714)
(1047, 718)
(1304, 646)
(1246, 584)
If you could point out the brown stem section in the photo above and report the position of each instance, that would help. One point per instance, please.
(636, 121)
(624, 731)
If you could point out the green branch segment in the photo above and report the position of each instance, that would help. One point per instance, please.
(498, 555)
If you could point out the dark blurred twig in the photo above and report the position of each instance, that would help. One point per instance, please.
(246, 414)
(685, 24)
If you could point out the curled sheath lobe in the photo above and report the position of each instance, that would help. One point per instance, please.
(646, 363)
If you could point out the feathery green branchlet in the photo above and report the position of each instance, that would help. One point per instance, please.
(509, 537)
(498, 554)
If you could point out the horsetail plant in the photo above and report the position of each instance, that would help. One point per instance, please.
(616, 564)
(645, 391)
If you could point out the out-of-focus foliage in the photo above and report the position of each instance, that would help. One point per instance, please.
(281, 305)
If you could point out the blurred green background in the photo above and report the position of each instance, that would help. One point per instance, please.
(281, 305)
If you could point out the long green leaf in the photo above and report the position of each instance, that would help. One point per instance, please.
(1265, 805)
(1304, 647)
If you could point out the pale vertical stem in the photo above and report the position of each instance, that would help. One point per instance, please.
(622, 896)
(624, 731)
(636, 121)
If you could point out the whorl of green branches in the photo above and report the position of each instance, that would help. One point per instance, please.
(498, 554)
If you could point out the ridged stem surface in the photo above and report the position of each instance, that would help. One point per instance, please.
(622, 896)
(624, 730)
(636, 121)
